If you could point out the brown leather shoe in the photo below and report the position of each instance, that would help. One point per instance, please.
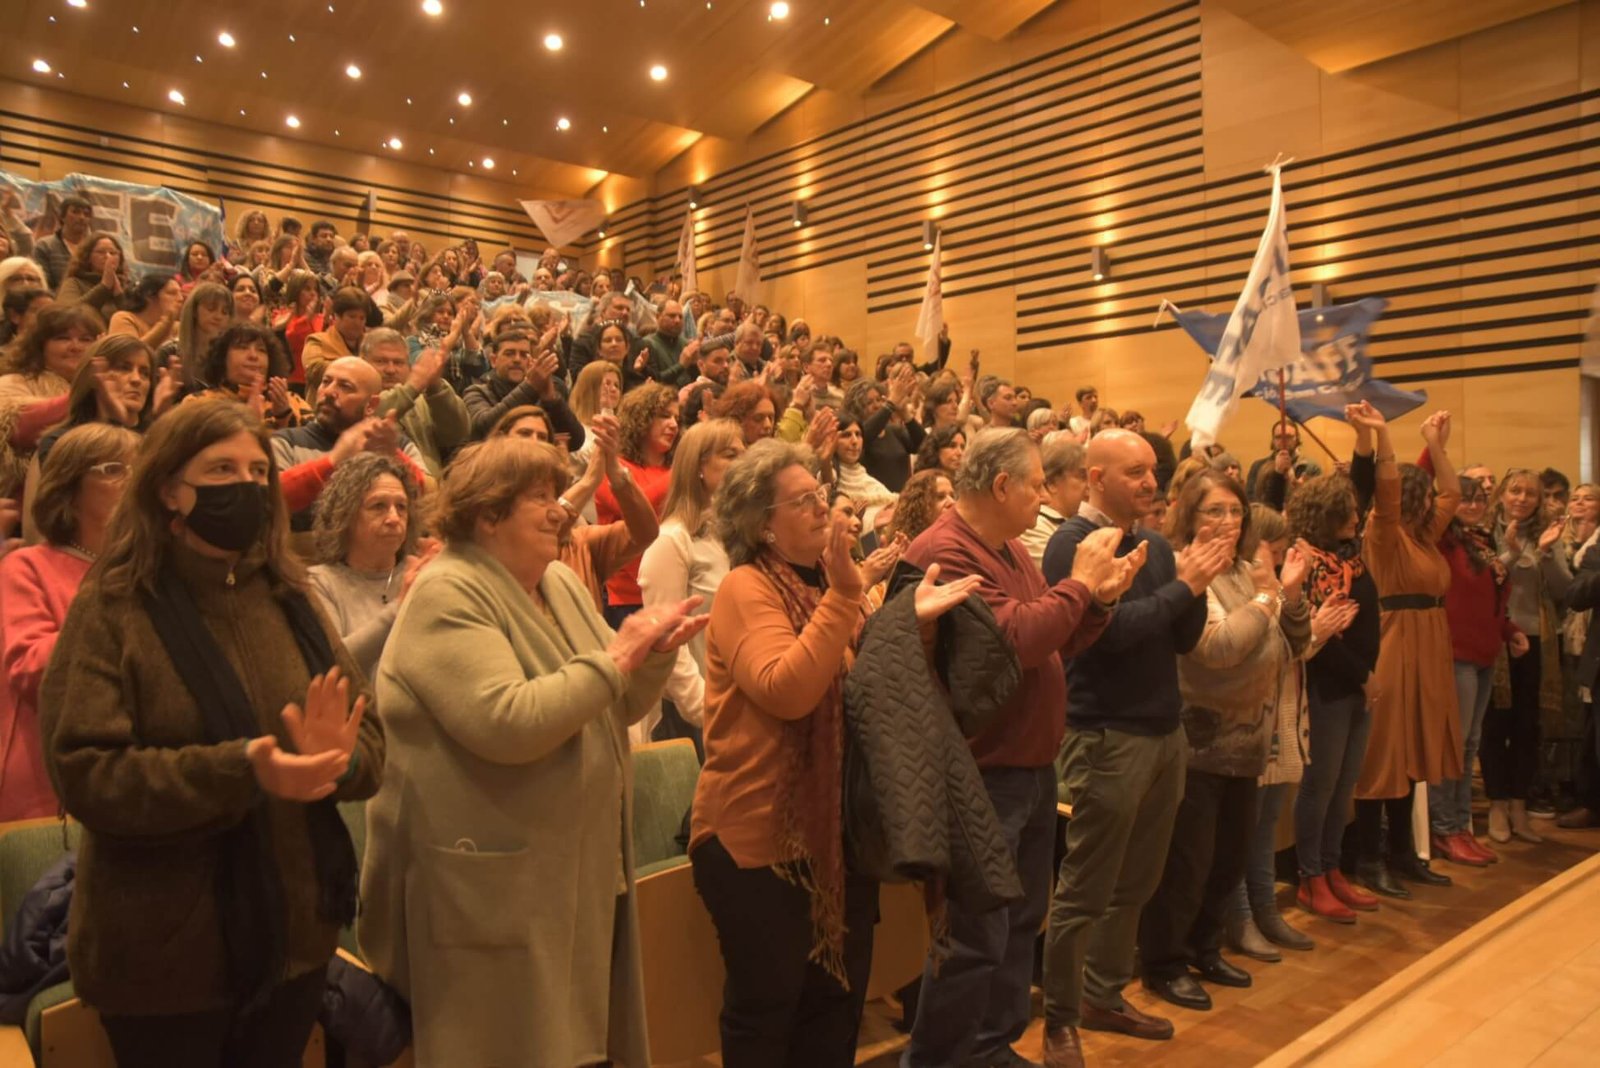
(1126, 1020)
(1062, 1048)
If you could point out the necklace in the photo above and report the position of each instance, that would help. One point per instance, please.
(81, 551)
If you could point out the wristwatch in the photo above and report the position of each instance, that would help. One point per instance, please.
(1265, 600)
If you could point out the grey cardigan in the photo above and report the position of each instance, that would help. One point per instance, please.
(1229, 680)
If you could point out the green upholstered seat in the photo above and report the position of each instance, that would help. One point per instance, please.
(25, 853)
(664, 776)
(354, 814)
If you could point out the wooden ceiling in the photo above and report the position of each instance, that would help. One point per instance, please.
(1352, 33)
(731, 68)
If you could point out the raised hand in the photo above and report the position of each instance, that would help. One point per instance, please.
(641, 362)
(1333, 617)
(383, 435)
(428, 369)
(428, 548)
(1296, 566)
(1365, 415)
(327, 723)
(882, 560)
(1095, 561)
(690, 356)
(253, 394)
(1125, 569)
(843, 573)
(113, 405)
(1551, 535)
(291, 776)
(278, 396)
(658, 628)
(1261, 571)
(1436, 429)
(934, 599)
(823, 424)
(1201, 561)
(803, 392)
(541, 371)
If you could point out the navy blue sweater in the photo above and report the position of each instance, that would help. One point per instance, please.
(1128, 680)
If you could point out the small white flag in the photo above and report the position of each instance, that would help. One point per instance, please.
(691, 282)
(930, 319)
(1263, 333)
(564, 221)
(748, 279)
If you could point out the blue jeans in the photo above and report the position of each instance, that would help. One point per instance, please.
(1450, 805)
(1339, 731)
(1258, 890)
(978, 1002)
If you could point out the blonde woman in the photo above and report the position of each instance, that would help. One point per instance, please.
(374, 277)
(687, 558)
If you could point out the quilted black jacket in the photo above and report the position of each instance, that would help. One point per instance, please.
(915, 807)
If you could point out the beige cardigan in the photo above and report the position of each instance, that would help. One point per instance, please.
(497, 887)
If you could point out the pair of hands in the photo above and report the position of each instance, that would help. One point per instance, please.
(658, 628)
(372, 434)
(822, 433)
(1547, 537)
(933, 599)
(1203, 560)
(267, 395)
(1097, 565)
(323, 732)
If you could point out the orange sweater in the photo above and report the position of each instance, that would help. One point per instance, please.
(759, 675)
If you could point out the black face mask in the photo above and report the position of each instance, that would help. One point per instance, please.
(1348, 548)
(229, 515)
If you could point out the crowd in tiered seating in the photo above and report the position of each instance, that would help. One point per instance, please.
(323, 517)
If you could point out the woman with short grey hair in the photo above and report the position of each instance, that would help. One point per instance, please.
(1066, 478)
(365, 540)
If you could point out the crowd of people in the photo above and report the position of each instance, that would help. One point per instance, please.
(323, 517)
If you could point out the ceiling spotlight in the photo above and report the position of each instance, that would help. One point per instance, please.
(291, 38)
(1100, 263)
(488, 163)
(605, 129)
(175, 96)
(553, 42)
(797, 214)
(563, 123)
(292, 121)
(658, 73)
(513, 172)
(241, 111)
(197, 58)
(694, 198)
(778, 10)
(432, 7)
(225, 39)
(471, 163)
(930, 234)
(602, 231)
(263, 75)
(77, 3)
(41, 67)
(464, 98)
(394, 143)
(352, 71)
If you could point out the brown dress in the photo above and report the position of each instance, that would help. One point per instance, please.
(1416, 726)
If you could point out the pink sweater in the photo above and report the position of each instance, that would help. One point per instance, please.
(37, 585)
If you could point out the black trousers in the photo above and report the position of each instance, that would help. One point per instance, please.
(1369, 829)
(1183, 922)
(1509, 754)
(778, 1007)
(273, 1036)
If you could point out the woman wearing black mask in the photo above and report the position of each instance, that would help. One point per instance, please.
(198, 723)
(1323, 516)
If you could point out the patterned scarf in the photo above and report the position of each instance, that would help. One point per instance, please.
(811, 787)
(1333, 572)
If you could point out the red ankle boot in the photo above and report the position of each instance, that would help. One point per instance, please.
(1354, 896)
(1315, 896)
(1454, 848)
(1470, 841)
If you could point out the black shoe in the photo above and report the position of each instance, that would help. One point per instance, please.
(1182, 991)
(1374, 875)
(1415, 870)
(1216, 970)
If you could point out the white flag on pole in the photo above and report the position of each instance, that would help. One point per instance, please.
(691, 283)
(1263, 333)
(748, 279)
(930, 319)
(564, 221)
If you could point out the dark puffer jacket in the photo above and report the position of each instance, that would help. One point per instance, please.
(915, 804)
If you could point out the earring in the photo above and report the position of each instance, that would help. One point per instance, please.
(771, 537)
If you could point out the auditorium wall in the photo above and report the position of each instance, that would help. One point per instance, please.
(1452, 180)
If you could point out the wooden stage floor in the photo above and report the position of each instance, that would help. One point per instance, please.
(1292, 998)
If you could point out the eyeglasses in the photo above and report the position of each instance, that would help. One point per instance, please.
(113, 469)
(1223, 511)
(817, 498)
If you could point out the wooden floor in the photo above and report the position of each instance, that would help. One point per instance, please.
(1293, 997)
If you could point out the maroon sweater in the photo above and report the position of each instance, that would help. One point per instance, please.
(1042, 623)
(1476, 608)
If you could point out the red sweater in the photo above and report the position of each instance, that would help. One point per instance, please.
(1475, 604)
(622, 588)
(1042, 623)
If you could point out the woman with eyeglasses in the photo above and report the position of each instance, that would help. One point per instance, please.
(793, 922)
(1258, 625)
(78, 489)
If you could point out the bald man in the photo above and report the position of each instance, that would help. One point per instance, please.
(1123, 761)
(348, 394)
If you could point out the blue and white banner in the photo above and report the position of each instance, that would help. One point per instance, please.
(1262, 334)
(153, 224)
(1333, 369)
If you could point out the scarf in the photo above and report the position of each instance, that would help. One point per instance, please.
(811, 788)
(1333, 572)
(250, 895)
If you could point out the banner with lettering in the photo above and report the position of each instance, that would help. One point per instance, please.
(153, 224)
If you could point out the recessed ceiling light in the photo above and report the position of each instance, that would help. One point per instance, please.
(352, 71)
(464, 98)
(336, 133)
(505, 122)
(197, 59)
(553, 42)
(605, 129)
(263, 75)
(61, 74)
(292, 121)
(563, 123)
(41, 67)
(488, 163)
(779, 10)
(225, 39)
(241, 111)
(291, 38)
(513, 172)
(125, 85)
(408, 101)
(175, 96)
(432, 7)
(330, 9)
(77, 3)
(394, 143)
(430, 151)
(658, 73)
(135, 29)
(452, 120)
(826, 21)
(471, 163)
